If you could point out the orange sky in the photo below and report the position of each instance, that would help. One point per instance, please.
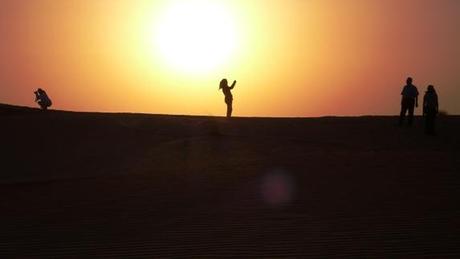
(291, 57)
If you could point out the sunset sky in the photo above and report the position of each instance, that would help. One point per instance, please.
(290, 57)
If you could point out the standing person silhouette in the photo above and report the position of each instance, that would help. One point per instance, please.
(408, 101)
(228, 95)
(430, 109)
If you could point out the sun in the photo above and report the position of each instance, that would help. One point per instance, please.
(196, 36)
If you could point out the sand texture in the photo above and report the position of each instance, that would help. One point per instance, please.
(138, 185)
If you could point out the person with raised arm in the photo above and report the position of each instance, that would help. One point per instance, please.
(226, 89)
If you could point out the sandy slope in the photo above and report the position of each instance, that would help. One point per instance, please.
(89, 184)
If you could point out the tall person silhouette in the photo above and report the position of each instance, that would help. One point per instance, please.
(430, 109)
(228, 95)
(408, 101)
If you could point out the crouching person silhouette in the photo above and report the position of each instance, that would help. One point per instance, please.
(42, 99)
(228, 95)
(430, 109)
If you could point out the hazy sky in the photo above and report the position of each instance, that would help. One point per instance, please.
(290, 57)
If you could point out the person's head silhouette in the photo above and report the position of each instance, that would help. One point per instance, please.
(223, 83)
(430, 89)
(409, 81)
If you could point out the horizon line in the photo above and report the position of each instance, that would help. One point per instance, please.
(212, 116)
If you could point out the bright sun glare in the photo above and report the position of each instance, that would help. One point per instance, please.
(196, 36)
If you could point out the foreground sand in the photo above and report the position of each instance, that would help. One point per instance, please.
(89, 184)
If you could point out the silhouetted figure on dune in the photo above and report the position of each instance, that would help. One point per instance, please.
(408, 101)
(430, 109)
(228, 95)
(42, 99)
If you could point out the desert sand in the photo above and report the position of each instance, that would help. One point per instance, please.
(119, 185)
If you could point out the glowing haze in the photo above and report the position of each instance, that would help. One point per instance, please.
(195, 36)
(290, 57)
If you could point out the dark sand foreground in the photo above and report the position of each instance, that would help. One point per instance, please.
(95, 184)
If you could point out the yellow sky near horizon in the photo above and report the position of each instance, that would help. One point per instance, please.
(290, 57)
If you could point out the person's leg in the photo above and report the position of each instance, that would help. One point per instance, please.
(411, 112)
(402, 114)
(427, 123)
(42, 105)
(229, 109)
(430, 122)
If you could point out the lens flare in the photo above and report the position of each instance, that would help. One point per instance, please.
(277, 188)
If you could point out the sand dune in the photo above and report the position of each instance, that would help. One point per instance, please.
(139, 185)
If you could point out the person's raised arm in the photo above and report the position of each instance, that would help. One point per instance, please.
(233, 84)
